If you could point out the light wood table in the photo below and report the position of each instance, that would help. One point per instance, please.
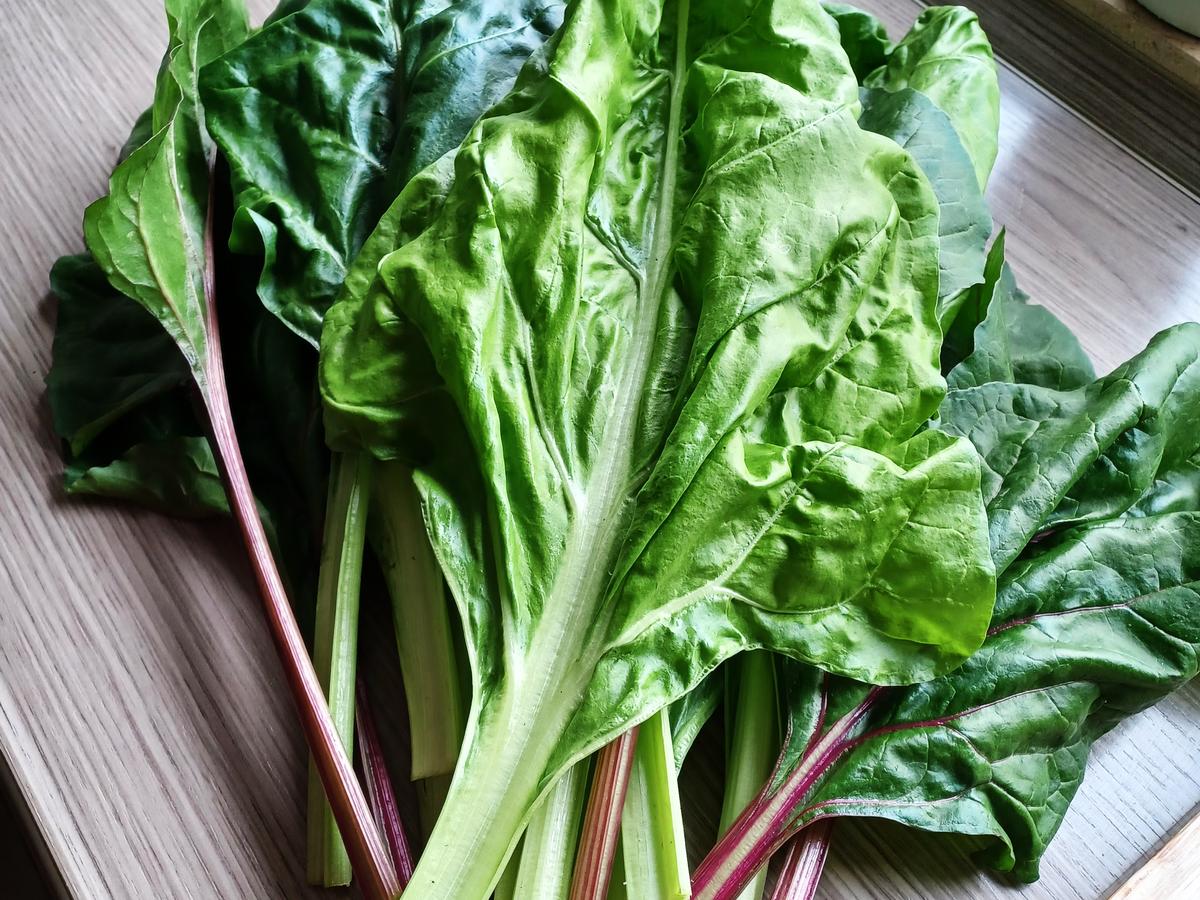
(142, 713)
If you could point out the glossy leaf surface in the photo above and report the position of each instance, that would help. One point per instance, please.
(947, 57)
(147, 235)
(1093, 621)
(328, 111)
(614, 231)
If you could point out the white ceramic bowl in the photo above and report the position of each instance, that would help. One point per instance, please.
(1183, 14)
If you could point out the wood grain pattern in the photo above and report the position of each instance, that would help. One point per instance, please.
(1174, 871)
(1163, 46)
(1106, 79)
(142, 713)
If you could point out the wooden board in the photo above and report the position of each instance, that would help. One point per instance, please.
(1128, 22)
(142, 715)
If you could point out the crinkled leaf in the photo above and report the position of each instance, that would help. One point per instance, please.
(947, 57)
(328, 110)
(633, 257)
(999, 335)
(913, 121)
(863, 36)
(1054, 458)
(1095, 629)
(147, 235)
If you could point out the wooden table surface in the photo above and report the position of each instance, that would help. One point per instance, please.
(142, 714)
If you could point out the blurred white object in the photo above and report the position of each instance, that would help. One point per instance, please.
(1183, 14)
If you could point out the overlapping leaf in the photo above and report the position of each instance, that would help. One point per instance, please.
(632, 257)
(1097, 615)
(947, 57)
(329, 110)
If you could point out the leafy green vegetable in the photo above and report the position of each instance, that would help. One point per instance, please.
(588, 254)
(153, 236)
(1097, 614)
(329, 110)
(947, 57)
(863, 36)
(964, 223)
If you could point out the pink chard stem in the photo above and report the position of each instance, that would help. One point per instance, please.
(602, 819)
(805, 862)
(379, 788)
(368, 855)
(767, 823)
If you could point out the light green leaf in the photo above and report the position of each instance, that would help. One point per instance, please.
(148, 233)
(964, 225)
(947, 57)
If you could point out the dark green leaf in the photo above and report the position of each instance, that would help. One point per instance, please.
(328, 111)
(1099, 627)
(999, 335)
(1054, 458)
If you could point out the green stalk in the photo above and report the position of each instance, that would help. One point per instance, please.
(335, 646)
(425, 638)
(653, 853)
(547, 854)
(753, 746)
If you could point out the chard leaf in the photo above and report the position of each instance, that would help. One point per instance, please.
(964, 225)
(1056, 458)
(999, 335)
(947, 57)
(329, 110)
(863, 37)
(638, 252)
(109, 356)
(147, 235)
(1101, 626)
(691, 712)
(175, 475)
(1097, 614)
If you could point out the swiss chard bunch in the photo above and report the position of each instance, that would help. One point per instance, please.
(659, 333)
(669, 319)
